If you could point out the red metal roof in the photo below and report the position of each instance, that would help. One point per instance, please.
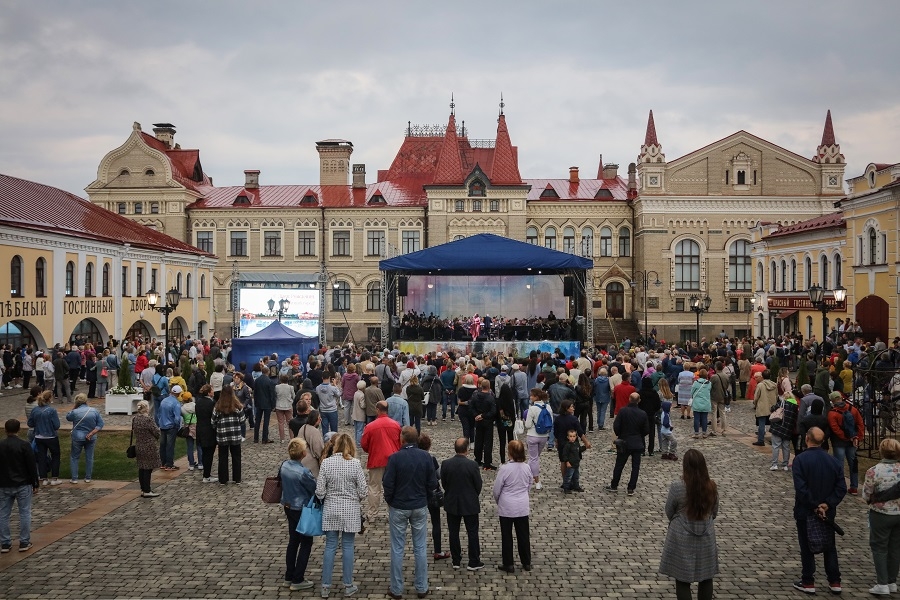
(326, 196)
(505, 166)
(30, 205)
(449, 166)
(186, 168)
(650, 137)
(585, 190)
(824, 222)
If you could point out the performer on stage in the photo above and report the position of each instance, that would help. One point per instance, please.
(475, 327)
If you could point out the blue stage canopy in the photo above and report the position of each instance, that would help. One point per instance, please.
(276, 338)
(485, 254)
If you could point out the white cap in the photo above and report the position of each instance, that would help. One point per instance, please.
(176, 389)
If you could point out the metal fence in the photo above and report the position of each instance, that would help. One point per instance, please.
(876, 393)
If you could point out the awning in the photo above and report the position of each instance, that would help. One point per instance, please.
(787, 314)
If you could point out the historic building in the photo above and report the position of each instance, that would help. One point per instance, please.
(694, 212)
(79, 272)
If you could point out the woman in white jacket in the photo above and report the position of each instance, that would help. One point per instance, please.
(535, 442)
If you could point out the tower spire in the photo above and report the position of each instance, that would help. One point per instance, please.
(452, 105)
(650, 137)
(828, 132)
(502, 104)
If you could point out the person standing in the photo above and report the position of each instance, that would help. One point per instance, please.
(169, 420)
(146, 432)
(87, 424)
(359, 410)
(881, 491)
(483, 409)
(329, 404)
(206, 435)
(701, 403)
(602, 397)
(409, 479)
(819, 486)
(720, 391)
(44, 421)
(690, 552)
(297, 486)
(534, 441)
(228, 414)
(463, 397)
(462, 487)
(264, 399)
(61, 377)
(284, 406)
(510, 492)
(18, 483)
(630, 427)
(765, 397)
(380, 439)
(845, 440)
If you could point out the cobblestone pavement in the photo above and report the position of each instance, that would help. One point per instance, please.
(207, 540)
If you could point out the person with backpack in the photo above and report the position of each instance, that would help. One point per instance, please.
(783, 422)
(538, 424)
(847, 430)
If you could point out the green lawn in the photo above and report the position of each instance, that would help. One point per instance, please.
(110, 461)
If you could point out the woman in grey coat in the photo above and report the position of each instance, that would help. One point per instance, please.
(690, 552)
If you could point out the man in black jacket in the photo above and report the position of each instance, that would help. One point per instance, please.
(18, 481)
(630, 427)
(484, 408)
(462, 486)
(264, 399)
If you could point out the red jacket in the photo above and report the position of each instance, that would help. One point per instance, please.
(836, 422)
(621, 395)
(380, 439)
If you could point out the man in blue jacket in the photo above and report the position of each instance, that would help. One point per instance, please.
(169, 424)
(408, 480)
(819, 486)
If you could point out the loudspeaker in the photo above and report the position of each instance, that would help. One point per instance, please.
(568, 286)
(402, 286)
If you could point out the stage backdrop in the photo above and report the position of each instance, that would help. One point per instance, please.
(513, 296)
(520, 349)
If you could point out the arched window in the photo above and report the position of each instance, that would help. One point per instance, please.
(784, 275)
(476, 205)
(687, 265)
(178, 282)
(773, 276)
(459, 206)
(550, 238)
(569, 239)
(873, 246)
(587, 241)
(531, 235)
(40, 278)
(340, 296)
(70, 279)
(373, 296)
(793, 274)
(605, 241)
(807, 272)
(759, 277)
(824, 280)
(838, 263)
(624, 241)
(739, 271)
(89, 280)
(15, 277)
(476, 188)
(189, 291)
(105, 279)
(203, 286)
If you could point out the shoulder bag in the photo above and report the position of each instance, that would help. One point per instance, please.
(271, 493)
(131, 451)
(310, 523)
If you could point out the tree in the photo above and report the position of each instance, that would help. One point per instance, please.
(124, 375)
(774, 367)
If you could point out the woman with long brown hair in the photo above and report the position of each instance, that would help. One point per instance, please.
(228, 414)
(690, 553)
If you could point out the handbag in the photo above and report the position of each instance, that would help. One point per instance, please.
(271, 493)
(436, 498)
(818, 535)
(426, 398)
(519, 427)
(131, 451)
(777, 415)
(104, 372)
(310, 523)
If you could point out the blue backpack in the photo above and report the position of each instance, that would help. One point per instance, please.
(848, 423)
(544, 421)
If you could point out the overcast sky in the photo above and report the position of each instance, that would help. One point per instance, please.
(254, 85)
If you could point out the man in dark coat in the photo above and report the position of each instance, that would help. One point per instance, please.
(19, 481)
(631, 426)
(264, 399)
(462, 486)
(484, 410)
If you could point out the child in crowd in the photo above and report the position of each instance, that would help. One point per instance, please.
(667, 441)
(571, 456)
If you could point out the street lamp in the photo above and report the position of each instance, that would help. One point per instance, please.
(643, 277)
(699, 306)
(749, 311)
(283, 306)
(817, 298)
(173, 297)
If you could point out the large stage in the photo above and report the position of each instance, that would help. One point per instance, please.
(513, 348)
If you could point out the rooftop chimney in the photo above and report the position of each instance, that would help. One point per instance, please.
(610, 171)
(632, 180)
(573, 174)
(334, 161)
(251, 179)
(165, 132)
(359, 176)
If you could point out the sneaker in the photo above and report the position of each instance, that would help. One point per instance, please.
(55, 482)
(759, 443)
(325, 591)
(773, 468)
(475, 566)
(611, 489)
(350, 590)
(207, 480)
(441, 555)
(806, 588)
(786, 469)
(74, 481)
(835, 587)
(456, 565)
(303, 585)
(853, 491)
(538, 486)
(149, 495)
(892, 587)
(45, 482)
(25, 546)
(880, 590)
(630, 492)
(5, 548)
(191, 468)
(87, 480)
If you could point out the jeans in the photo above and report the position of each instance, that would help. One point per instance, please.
(808, 559)
(468, 423)
(701, 421)
(416, 421)
(761, 429)
(448, 400)
(550, 438)
(471, 532)
(348, 411)
(360, 425)
(484, 441)
(571, 479)
(63, 389)
(884, 540)
(504, 436)
(298, 549)
(21, 495)
(848, 451)
(535, 446)
(667, 443)
(167, 446)
(329, 422)
(431, 412)
(77, 446)
(235, 450)
(191, 444)
(331, 543)
(601, 413)
(784, 445)
(417, 519)
(621, 459)
(523, 537)
(155, 404)
(266, 414)
(45, 445)
(524, 405)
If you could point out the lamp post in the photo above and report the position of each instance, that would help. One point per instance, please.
(749, 317)
(173, 297)
(283, 305)
(699, 306)
(817, 298)
(643, 278)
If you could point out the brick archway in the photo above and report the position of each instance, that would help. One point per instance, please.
(872, 315)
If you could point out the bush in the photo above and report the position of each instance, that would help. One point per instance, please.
(774, 367)
(802, 373)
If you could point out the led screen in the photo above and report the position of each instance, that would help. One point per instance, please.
(509, 296)
(302, 315)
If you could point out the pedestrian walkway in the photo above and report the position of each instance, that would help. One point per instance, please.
(212, 541)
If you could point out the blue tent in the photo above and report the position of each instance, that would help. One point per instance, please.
(486, 254)
(275, 338)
